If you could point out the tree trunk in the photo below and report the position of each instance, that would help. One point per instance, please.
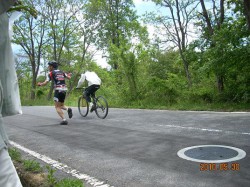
(186, 68)
(132, 86)
(247, 12)
(187, 72)
(33, 88)
(219, 78)
(220, 83)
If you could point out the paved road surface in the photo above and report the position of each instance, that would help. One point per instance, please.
(136, 148)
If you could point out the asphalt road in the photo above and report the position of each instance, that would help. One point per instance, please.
(137, 148)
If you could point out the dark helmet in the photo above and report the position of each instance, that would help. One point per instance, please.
(53, 64)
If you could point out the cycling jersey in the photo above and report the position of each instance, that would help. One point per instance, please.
(91, 77)
(59, 79)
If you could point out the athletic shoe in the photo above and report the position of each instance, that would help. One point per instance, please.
(64, 122)
(70, 112)
(92, 108)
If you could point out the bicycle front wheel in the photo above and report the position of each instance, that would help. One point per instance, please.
(83, 106)
(101, 107)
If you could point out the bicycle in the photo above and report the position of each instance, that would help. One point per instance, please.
(100, 105)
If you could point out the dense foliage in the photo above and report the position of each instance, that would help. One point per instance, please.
(165, 71)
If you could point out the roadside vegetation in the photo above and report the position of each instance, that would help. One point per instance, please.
(33, 174)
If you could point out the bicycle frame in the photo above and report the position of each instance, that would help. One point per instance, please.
(100, 105)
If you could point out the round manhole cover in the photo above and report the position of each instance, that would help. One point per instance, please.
(211, 153)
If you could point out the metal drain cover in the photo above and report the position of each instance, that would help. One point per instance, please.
(211, 153)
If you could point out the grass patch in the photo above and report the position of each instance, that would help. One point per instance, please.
(203, 106)
(188, 105)
(183, 104)
(32, 165)
(31, 173)
(15, 154)
(69, 183)
(37, 102)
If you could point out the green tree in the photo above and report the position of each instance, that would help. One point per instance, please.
(224, 49)
(29, 34)
(54, 35)
(118, 22)
(120, 35)
(165, 78)
(62, 31)
(174, 27)
(213, 22)
(243, 7)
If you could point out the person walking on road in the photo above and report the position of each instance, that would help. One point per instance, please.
(60, 89)
(94, 83)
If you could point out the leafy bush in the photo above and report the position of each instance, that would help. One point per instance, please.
(161, 91)
(39, 94)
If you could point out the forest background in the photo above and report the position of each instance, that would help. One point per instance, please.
(196, 59)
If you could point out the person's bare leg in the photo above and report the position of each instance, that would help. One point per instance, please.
(64, 107)
(58, 106)
(69, 110)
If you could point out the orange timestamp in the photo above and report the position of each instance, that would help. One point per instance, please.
(220, 167)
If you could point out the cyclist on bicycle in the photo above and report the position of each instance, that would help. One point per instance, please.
(60, 89)
(94, 83)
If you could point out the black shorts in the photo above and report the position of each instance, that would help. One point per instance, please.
(59, 96)
(90, 91)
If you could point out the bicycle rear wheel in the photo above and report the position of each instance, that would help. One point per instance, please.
(83, 106)
(101, 107)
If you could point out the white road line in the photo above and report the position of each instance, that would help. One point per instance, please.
(191, 128)
(204, 129)
(88, 179)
